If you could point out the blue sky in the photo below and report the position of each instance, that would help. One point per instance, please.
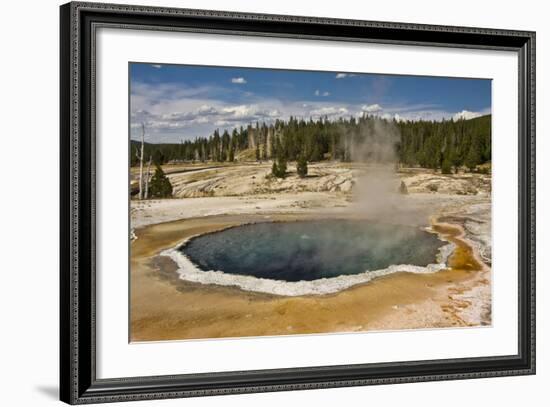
(180, 102)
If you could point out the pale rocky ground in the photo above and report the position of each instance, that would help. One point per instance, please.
(193, 181)
(253, 179)
(337, 189)
(329, 187)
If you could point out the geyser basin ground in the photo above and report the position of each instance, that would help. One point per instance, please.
(307, 257)
(167, 306)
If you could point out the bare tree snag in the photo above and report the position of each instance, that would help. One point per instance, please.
(141, 161)
(147, 177)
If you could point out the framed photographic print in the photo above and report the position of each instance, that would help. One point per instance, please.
(255, 203)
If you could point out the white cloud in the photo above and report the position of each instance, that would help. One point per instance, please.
(466, 115)
(374, 108)
(398, 118)
(247, 112)
(221, 123)
(239, 80)
(319, 93)
(158, 66)
(173, 112)
(329, 111)
(207, 110)
(395, 117)
(344, 75)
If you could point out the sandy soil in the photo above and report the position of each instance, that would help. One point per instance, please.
(164, 307)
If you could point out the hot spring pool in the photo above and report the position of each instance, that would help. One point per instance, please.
(304, 251)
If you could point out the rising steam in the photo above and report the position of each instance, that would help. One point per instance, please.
(376, 188)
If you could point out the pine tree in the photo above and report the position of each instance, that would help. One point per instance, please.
(279, 167)
(446, 167)
(424, 143)
(301, 166)
(160, 186)
(274, 169)
(158, 157)
(456, 160)
(474, 155)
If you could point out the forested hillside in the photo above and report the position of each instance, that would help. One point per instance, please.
(442, 145)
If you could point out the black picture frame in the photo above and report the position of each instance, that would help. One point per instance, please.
(78, 382)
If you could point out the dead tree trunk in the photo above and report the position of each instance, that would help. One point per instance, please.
(269, 143)
(141, 162)
(147, 177)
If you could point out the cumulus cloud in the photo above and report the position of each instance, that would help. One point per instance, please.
(240, 80)
(466, 115)
(374, 108)
(171, 117)
(329, 111)
(247, 113)
(158, 66)
(207, 110)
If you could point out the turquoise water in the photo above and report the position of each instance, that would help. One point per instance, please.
(310, 250)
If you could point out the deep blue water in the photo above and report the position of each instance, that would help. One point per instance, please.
(309, 250)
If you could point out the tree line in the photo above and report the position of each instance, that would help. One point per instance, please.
(445, 145)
